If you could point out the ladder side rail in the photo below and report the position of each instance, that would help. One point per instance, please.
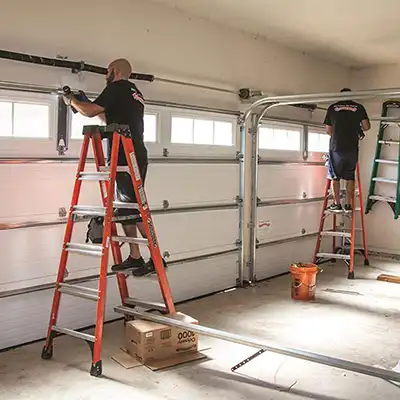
(148, 222)
(361, 200)
(102, 287)
(375, 165)
(67, 238)
(397, 204)
(353, 231)
(322, 220)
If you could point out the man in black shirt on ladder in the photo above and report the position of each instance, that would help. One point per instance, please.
(345, 123)
(121, 102)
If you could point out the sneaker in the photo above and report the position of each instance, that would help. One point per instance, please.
(129, 263)
(347, 208)
(335, 208)
(146, 269)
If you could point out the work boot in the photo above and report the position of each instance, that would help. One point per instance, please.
(146, 269)
(129, 263)
(347, 208)
(335, 208)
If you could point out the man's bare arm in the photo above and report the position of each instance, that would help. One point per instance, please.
(366, 125)
(87, 109)
(329, 129)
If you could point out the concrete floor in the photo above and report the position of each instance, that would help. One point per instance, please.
(360, 324)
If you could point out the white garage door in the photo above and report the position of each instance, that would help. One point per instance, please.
(192, 192)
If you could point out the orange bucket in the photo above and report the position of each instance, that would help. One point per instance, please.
(304, 281)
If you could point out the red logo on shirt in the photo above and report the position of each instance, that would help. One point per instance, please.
(137, 97)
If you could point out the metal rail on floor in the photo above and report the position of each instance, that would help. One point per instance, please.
(258, 344)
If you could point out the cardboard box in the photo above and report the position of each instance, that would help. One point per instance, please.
(148, 340)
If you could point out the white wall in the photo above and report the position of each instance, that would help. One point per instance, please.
(382, 229)
(169, 44)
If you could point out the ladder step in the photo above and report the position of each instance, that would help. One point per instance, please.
(126, 239)
(384, 180)
(145, 304)
(85, 249)
(389, 141)
(334, 255)
(95, 211)
(356, 247)
(335, 233)
(388, 199)
(119, 169)
(118, 204)
(79, 291)
(382, 161)
(94, 176)
(71, 332)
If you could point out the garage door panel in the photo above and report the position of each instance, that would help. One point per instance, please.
(290, 181)
(276, 259)
(284, 221)
(25, 318)
(192, 184)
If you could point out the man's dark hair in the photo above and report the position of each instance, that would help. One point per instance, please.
(345, 90)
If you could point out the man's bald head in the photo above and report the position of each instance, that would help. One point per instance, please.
(119, 69)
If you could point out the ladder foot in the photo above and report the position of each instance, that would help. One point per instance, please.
(350, 275)
(47, 353)
(366, 261)
(95, 369)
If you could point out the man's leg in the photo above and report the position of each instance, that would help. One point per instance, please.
(350, 186)
(334, 173)
(335, 185)
(131, 231)
(351, 160)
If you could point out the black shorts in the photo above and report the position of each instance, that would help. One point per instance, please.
(125, 193)
(342, 165)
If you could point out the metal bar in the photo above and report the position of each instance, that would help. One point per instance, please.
(287, 163)
(196, 85)
(80, 294)
(261, 345)
(286, 240)
(254, 199)
(384, 180)
(47, 286)
(71, 332)
(269, 203)
(130, 301)
(81, 288)
(321, 98)
(241, 199)
(94, 176)
(89, 210)
(334, 255)
(132, 206)
(247, 360)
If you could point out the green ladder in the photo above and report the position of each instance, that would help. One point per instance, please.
(373, 197)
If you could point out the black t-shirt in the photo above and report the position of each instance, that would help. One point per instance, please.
(345, 118)
(124, 104)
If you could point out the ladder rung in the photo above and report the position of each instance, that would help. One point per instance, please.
(119, 169)
(335, 233)
(118, 204)
(382, 161)
(89, 210)
(79, 291)
(356, 247)
(145, 304)
(85, 249)
(388, 199)
(94, 176)
(71, 332)
(126, 239)
(384, 180)
(389, 141)
(334, 255)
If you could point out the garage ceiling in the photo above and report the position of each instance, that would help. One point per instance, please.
(355, 33)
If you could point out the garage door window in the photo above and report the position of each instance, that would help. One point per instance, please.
(280, 137)
(185, 130)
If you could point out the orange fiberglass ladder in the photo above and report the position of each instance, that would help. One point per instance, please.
(106, 178)
(345, 230)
